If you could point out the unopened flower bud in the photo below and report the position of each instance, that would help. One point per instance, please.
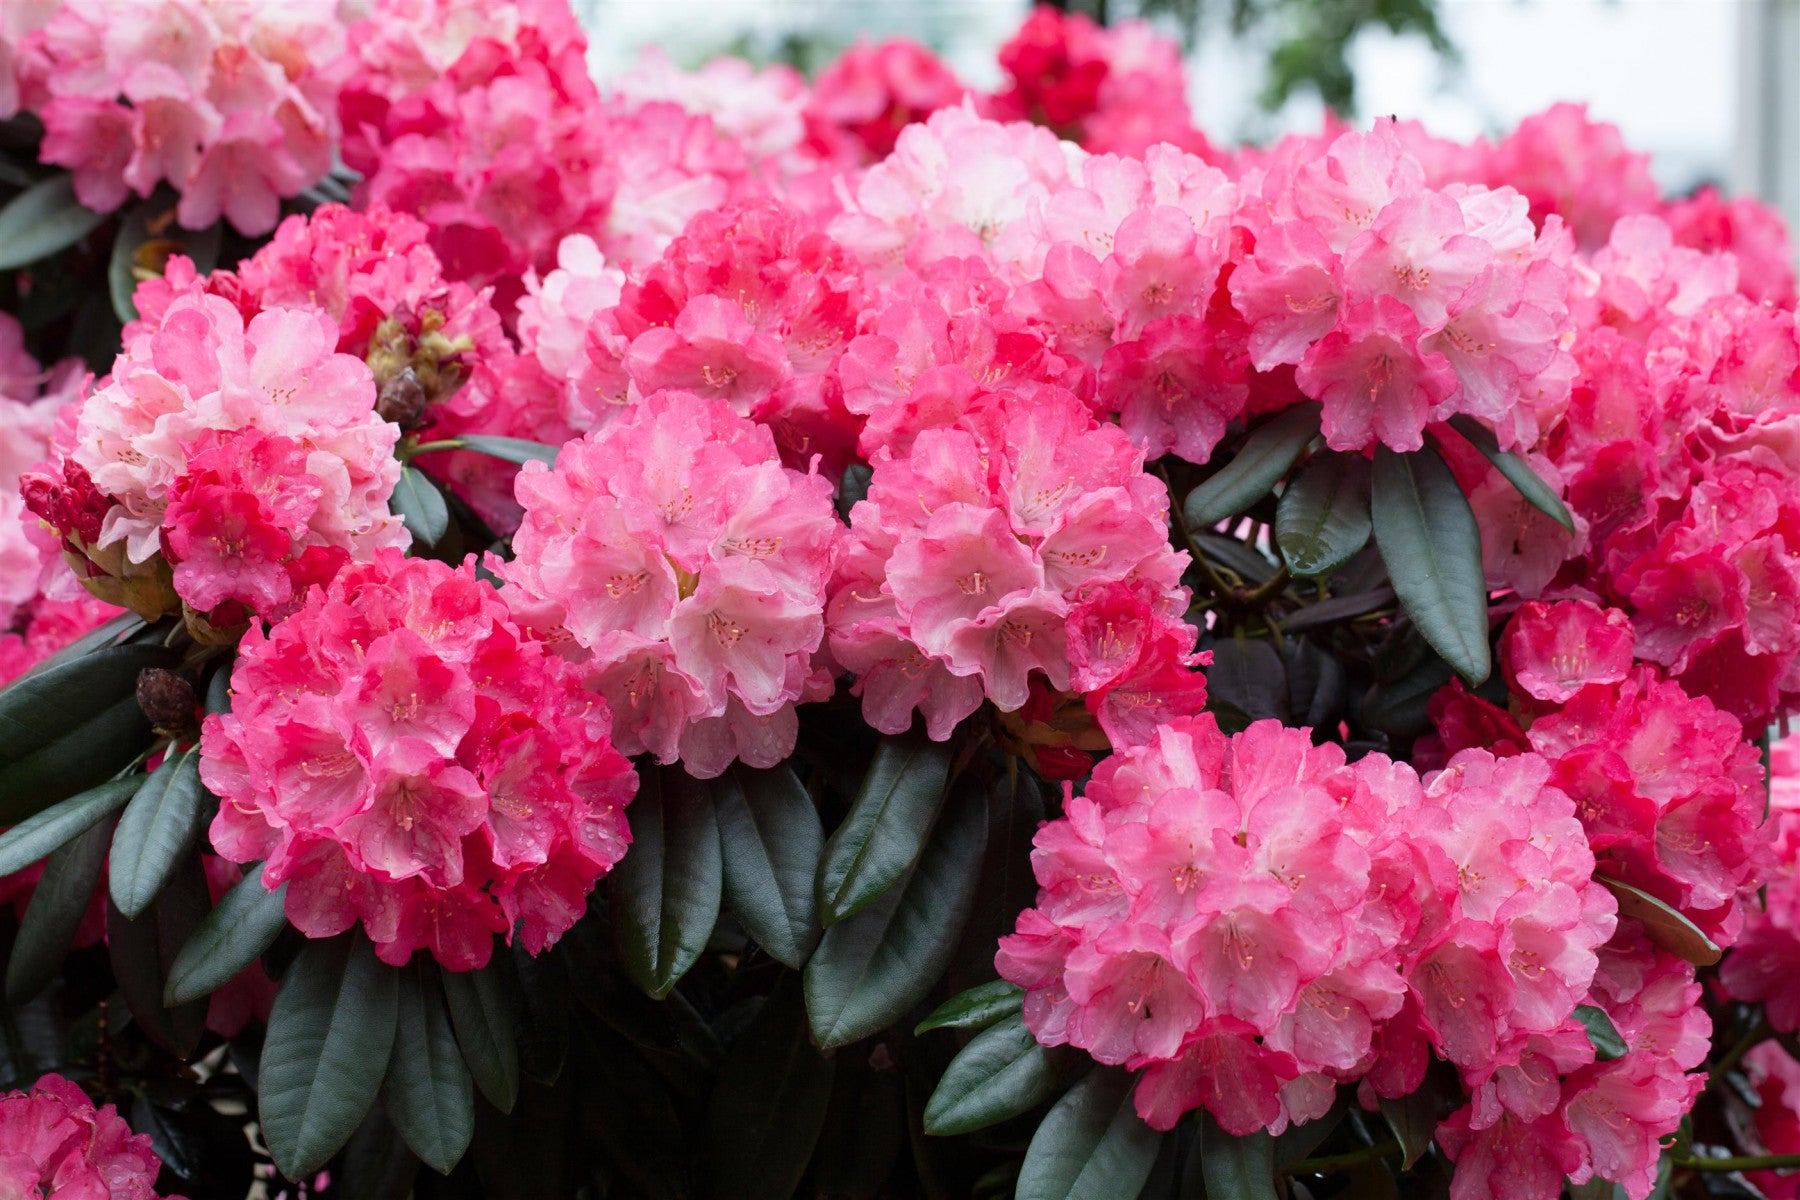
(168, 701)
(402, 399)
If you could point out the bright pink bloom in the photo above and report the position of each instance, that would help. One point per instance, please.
(240, 451)
(234, 107)
(971, 550)
(1552, 651)
(1668, 791)
(1577, 168)
(871, 92)
(674, 557)
(404, 756)
(54, 1142)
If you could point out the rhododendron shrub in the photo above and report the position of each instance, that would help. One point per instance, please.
(759, 622)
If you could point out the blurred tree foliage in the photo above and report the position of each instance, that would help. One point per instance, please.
(1311, 37)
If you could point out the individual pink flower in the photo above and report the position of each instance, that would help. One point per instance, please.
(402, 755)
(1552, 651)
(675, 558)
(56, 1143)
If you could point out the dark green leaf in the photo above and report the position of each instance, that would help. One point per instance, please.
(1235, 1168)
(143, 951)
(872, 968)
(180, 1150)
(160, 825)
(45, 832)
(512, 450)
(483, 1017)
(976, 1008)
(1000, 1074)
(42, 219)
(331, 1034)
(428, 1092)
(1338, 608)
(1666, 927)
(886, 826)
(772, 841)
(147, 236)
(119, 629)
(417, 501)
(765, 1115)
(218, 688)
(664, 895)
(1607, 1042)
(39, 708)
(1250, 675)
(1257, 467)
(376, 1164)
(88, 756)
(539, 988)
(1413, 1120)
(1247, 562)
(1517, 471)
(1400, 708)
(58, 904)
(1300, 1141)
(865, 1129)
(1323, 517)
(1432, 549)
(1092, 1145)
(235, 934)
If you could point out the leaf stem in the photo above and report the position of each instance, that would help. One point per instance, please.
(431, 447)
(1330, 1163)
(1741, 1162)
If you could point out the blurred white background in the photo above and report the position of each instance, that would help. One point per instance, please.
(1709, 88)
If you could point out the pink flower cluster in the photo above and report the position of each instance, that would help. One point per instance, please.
(674, 557)
(869, 93)
(237, 462)
(42, 609)
(1024, 539)
(232, 105)
(481, 120)
(1117, 89)
(1677, 448)
(1761, 967)
(54, 1142)
(1398, 303)
(1252, 921)
(1664, 782)
(402, 755)
(435, 346)
(753, 305)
